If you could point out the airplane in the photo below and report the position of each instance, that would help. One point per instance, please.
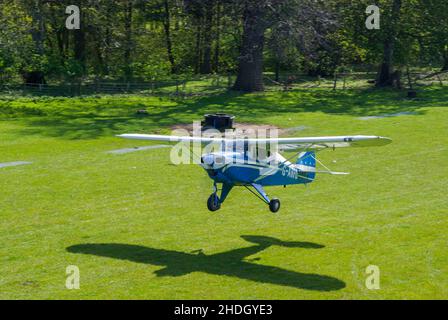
(236, 161)
(233, 263)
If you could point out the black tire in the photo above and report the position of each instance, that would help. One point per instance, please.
(274, 205)
(213, 202)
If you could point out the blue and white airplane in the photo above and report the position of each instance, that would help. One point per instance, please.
(237, 163)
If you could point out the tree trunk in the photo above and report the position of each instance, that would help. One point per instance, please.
(445, 60)
(277, 71)
(445, 65)
(99, 67)
(60, 33)
(79, 36)
(386, 75)
(198, 52)
(108, 39)
(218, 38)
(128, 42)
(250, 67)
(36, 76)
(61, 48)
(168, 41)
(206, 66)
(80, 48)
(38, 30)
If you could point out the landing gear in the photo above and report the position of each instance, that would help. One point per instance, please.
(274, 205)
(213, 203)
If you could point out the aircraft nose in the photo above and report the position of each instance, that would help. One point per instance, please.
(208, 159)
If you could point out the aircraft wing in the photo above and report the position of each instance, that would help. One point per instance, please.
(285, 143)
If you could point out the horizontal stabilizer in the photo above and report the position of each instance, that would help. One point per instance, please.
(334, 173)
(303, 168)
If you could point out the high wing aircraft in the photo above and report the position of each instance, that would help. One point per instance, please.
(237, 162)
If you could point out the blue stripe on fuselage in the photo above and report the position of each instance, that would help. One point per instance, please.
(239, 173)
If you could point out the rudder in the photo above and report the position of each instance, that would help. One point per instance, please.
(307, 163)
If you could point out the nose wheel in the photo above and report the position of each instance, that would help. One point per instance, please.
(213, 203)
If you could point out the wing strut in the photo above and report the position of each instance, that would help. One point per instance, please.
(261, 193)
(327, 170)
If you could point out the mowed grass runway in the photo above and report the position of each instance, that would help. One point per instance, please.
(138, 227)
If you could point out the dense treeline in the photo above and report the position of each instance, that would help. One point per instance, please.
(133, 40)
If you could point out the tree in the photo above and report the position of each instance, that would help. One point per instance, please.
(16, 46)
(206, 66)
(79, 48)
(128, 46)
(250, 66)
(140, 39)
(434, 36)
(35, 73)
(386, 75)
(167, 28)
(218, 37)
(287, 16)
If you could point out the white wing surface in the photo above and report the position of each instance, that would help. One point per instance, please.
(288, 143)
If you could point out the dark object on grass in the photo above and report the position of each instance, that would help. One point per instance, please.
(142, 112)
(392, 80)
(412, 94)
(218, 121)
(288, 83)
(33, 78)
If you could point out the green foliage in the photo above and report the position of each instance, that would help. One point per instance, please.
(161, 37)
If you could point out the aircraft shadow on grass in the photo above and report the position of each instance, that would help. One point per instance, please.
(230, 263)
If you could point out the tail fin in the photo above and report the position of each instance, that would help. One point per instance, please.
(307, 163)
(307, 159)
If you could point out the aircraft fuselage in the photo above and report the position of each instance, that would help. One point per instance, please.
(238, 169)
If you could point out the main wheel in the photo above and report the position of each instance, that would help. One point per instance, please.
(274, 205)
(213, 202)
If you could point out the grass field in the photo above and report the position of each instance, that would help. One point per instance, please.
(138, 227)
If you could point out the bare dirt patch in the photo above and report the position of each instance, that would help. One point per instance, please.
(246, 127)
